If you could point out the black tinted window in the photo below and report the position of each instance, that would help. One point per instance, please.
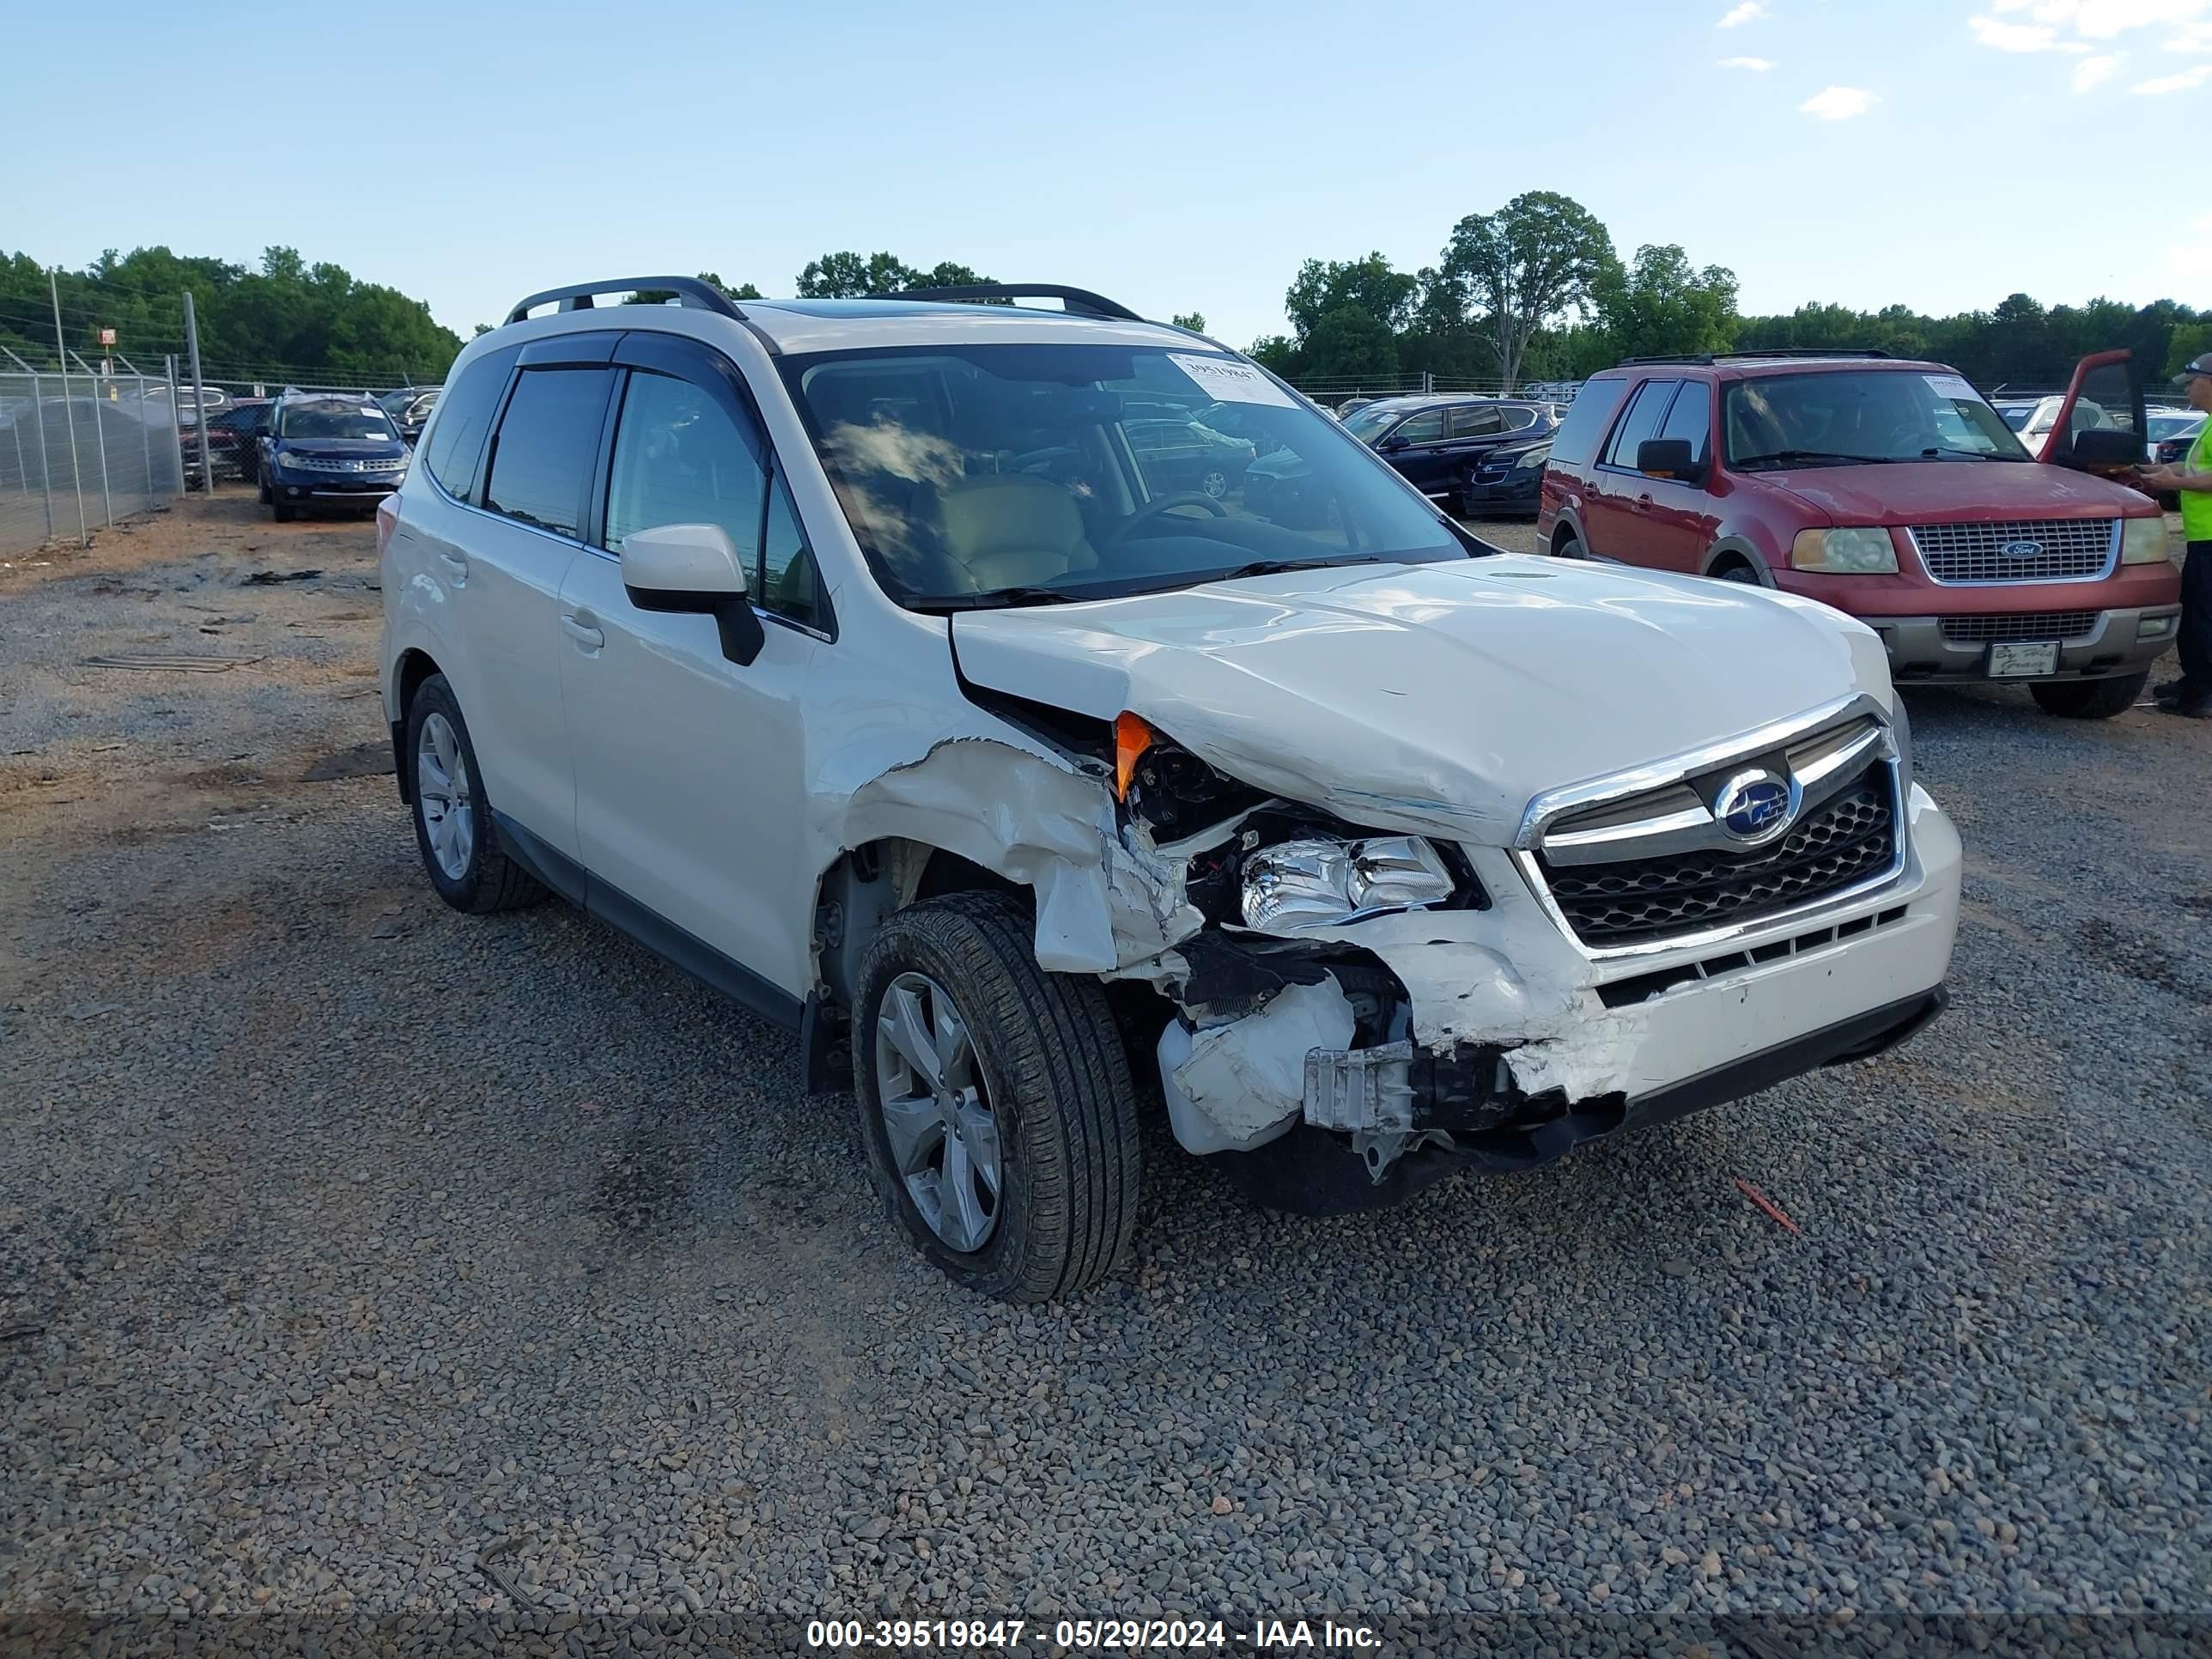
(457, 437)
(1691, 417)
(1477, 419)
(1641, 421)
(1421, 428)
(1588, 417)
(546, 444)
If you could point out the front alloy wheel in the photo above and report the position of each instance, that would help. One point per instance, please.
(943, 1140)
(1215, 484)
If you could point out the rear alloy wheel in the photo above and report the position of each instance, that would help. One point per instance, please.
(453, 830)
(2089, 700)
(1215, 484)
(995, 1101)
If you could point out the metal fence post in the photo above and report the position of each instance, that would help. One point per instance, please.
(176, 438)
(46, 467)
(76, 470)
(199, 396)
(145, 441)
(99, 439)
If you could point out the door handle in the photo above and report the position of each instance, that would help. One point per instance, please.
(459, 566)
(579, 626)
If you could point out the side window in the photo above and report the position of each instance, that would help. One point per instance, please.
(679, 458)
(456, 440)
(547, 442)
(1691, 417)
(1576, 442)
(1475, 420)
(1421, 428)
(790, 584)
(1513, 420)
(1641, 421)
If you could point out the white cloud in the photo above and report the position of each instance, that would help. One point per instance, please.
(2165, 83)
(2100, 20)
(1839, 103)
(1749, 11)
(2020, 37)
(1756, 66)
(2092, 71)
(2197, 37)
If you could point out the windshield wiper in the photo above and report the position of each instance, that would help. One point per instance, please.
(1971, 454)
(1278, 567)
(995, 598)
(1822, 457)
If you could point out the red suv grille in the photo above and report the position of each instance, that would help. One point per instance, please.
(2019, 551)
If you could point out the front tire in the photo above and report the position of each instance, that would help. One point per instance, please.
(1568, 546)
(995, 1102)
(2089, 700)
(453, 829)
(282, 513)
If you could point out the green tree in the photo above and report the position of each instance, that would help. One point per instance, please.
(1533, 260)
(661, 296)
(1192, 320)
(2185, 345)
(1370, 284)
(847, 275)
(1350, 342)
(1663, 305)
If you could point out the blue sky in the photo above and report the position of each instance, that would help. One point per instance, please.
(1181, 156)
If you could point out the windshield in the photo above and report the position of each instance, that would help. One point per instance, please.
(1368, 423)
(1023, 474)
(334, 419)
(1843, 417)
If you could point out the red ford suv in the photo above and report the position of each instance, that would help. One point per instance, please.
(1893, 492)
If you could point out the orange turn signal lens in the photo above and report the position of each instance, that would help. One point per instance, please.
(1132, 737)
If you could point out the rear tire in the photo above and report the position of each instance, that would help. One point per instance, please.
(453, 830)
(2089, 700)
(1044, 1063)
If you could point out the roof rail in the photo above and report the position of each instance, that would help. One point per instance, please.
(1080, 302)
(688, 291)
(1774, 351)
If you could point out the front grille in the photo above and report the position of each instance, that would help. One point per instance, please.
(344, 464)
(1844, 841)
(2020, 551)
(2049, 625)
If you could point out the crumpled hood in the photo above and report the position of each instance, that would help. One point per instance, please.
(1944, 492)
(1438, 696)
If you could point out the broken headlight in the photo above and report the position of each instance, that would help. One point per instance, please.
(1317, 884)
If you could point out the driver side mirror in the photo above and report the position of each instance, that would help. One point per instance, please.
(1668, 457)
(1393, 441)
(694, 568)
(2096, 446)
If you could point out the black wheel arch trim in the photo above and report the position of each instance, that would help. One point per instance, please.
(1725, 548)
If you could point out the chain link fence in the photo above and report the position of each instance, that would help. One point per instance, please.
(81, 451)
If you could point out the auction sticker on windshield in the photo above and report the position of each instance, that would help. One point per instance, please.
(1232, 382)
(1953, 386)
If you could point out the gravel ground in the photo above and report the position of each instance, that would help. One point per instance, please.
(358, 1259)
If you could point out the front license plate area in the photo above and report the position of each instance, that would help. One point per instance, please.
(2020, 658)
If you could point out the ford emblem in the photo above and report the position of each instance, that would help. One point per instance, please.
(2022, 549)
(1757, 805)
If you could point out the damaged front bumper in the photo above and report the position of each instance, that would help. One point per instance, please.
(1510, 1047)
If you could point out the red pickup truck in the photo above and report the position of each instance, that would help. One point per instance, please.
(1893, 491)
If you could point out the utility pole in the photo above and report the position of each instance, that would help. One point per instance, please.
(199, 393)
(69, 415)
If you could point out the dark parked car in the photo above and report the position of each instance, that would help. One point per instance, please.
(1437, 441)
(234, 439)
(324, 449)
(1180, 454)
(410, 407)
(1508, 481)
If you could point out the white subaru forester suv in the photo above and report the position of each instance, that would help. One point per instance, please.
(849, 654)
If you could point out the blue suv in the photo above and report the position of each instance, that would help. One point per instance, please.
(329, 450)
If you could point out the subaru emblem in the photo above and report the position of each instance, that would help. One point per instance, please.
(2022, 549)
(1757, 805)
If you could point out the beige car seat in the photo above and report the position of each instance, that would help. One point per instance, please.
(1014, 531)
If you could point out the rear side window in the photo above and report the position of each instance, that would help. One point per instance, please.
(1691, 417)
(1641, 421)
(456, 438)
(547, 441)
(1474, 420)
(1576, 442)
